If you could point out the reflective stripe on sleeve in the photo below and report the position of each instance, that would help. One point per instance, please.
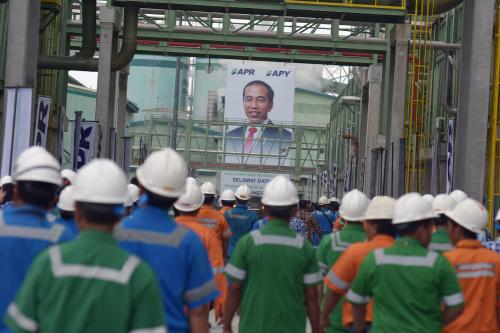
(260, 239)
(173, 239)
(452, 300)
(159, 329)
(21, 319)
(356, 298)
(196, 294)
(337, 244)
(312, 278)
(333, 278)
(440, 246)
(217, 270)
(475, 274)
(227, 233)
(385, 259)
(235, 272)
(323, 267)
(479, 265)
(122, 276)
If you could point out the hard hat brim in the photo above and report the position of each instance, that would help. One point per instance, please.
(458, 220)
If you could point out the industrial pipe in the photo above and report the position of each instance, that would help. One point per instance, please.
(119, 61)
(440, 6)
(447, 81)
(89, 18)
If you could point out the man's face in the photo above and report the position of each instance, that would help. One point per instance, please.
(256, 104)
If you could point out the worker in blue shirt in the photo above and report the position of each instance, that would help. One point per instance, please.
(240, 219)
(260, 223)
(24, 229)
(175, 253)
(324, 216)
(66, 205)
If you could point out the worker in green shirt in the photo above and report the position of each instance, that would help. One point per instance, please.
(279, 271)
(90, 284)
(352, 209)
(440, 242)
(414, 289)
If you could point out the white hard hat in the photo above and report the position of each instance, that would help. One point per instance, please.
(443, 203)
(208, 188)
(38, 165)
(133, 193)
(101, 181)
(191, 199)
(334, 199)
(323, 200)
(428, 197)
(243, 193)
(380, 208)
(411, 207)
(68, 174)
(470, 214)
(66, 201)
(497, 218)
(227, 195)
(458, 195)
(279, 192)
(164, 173)
(354, 205)
(6, 180)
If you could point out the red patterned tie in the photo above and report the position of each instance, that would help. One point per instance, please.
(249, 139)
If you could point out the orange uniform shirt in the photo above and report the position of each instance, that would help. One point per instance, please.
(344, 271)
(478, 270)
(225, 209)
(210, 217)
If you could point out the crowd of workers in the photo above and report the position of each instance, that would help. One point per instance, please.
(89, 252)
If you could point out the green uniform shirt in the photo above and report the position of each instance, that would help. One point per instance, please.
(88, 285)
(440, 241)
(329, 250)
(275, 264)
(409, 284)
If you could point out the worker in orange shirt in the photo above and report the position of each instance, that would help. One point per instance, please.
(187, 207)
(227, 200)
(477, 268)
(380, 233)
(210, 217)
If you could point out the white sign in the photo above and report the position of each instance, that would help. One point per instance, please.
(256, 181)
(42, 120)
(88, 132)
(449, 155)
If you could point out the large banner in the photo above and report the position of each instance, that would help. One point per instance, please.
(261, 97)
(255, 181)
(42, 120)
(87, 137)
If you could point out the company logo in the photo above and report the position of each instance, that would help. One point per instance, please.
(278, 73)
(243, 71)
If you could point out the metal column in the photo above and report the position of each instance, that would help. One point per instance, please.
(472, 119)
(20, 79)
(121, 115)
(106, 80)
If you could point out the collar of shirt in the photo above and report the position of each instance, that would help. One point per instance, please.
(30, 210)
(93, 235)
(408, 241)
(382, 239)
(469, 244)
(186, 219)
(442, 231)
(245, 207)
(150, 217)
(278, 225)
(354, 226)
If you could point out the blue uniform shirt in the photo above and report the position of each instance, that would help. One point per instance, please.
(178, 258)
(241, 221)
(325, 218)
(70, 224)
(260, 223)
(24, 232)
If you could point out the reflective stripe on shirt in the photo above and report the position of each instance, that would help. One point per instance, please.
(323, 267)
(53, 234)
(479, 265)
(337, 243)
(21, 319)
(235, 272)
(312, 278)
(452, 300)
(338, 281)
(440, 246)
(428, 261)
(355, 298)
(475, 274)
(196, 294)
(260, 239)
(208, 222)
(121, 276)
(159, 329)
(173, 239)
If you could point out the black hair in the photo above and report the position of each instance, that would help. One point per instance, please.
(384, 227)
(67, 215)
(9, 192)
(408, 229)
(208, 199)
(159, 201)
(179, 213)
(134, 181)
(466, 233)
(38, 194)
(227, 202)
(241, 201)
(335, 206)
(303, 204)
(441, 220)
(270, 91)
(104, 214)
(281, 212)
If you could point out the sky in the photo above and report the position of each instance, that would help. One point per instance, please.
(89, 79)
